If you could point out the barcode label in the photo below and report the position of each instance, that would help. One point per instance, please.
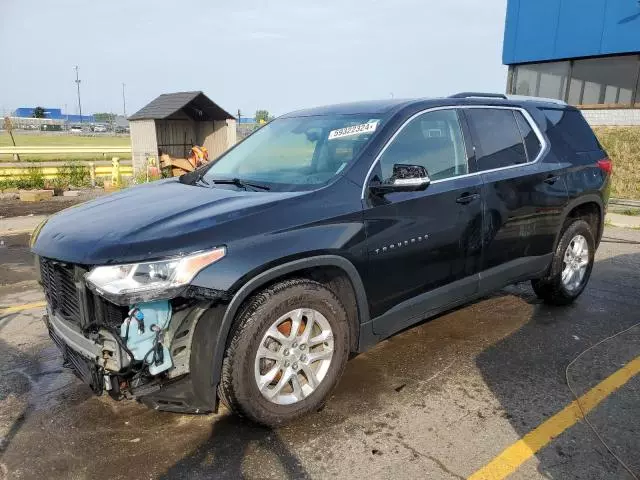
(353, 130)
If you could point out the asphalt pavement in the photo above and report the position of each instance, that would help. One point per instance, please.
(441, 400)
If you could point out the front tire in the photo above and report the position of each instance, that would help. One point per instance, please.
(571, 266)
(287, 352)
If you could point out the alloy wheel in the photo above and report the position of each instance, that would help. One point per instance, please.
(294, 356)
(575, 263)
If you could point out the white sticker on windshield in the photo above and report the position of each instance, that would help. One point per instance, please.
(353, 130)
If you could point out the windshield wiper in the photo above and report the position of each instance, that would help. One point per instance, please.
(201, 180)
(239, 183)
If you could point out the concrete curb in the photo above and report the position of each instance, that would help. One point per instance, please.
(623, 202)
(16, 232)
(622, 225)
(622, 221)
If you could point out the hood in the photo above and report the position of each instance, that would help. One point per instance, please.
(155, 220)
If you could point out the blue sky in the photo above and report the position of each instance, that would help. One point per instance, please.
(279, 55)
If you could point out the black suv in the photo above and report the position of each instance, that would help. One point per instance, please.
(253, 279)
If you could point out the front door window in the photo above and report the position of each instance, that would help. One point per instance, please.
(433, 140)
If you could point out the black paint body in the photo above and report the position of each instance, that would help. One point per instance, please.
(408, 254)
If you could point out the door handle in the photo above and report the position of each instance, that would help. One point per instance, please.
(551, 179)
(467, 198)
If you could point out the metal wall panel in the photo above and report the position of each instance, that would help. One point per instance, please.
(579, 28)
(544, 30)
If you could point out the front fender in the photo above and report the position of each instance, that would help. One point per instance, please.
(213, 336)
(248, 257)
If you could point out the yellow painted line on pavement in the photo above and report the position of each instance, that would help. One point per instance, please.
(19, 308)
(516, 454)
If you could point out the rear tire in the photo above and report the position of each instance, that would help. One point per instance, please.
(571, 266)
(287, 352)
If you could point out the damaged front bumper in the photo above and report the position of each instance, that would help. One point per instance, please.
(128, 367)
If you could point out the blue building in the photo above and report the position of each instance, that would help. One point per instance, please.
(53, 114)
(585, 52)
(27, 112)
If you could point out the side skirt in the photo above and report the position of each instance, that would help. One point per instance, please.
(460, 292)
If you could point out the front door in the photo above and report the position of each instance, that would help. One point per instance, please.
(424, 247)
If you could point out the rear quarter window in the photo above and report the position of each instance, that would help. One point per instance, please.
(531, 140)
(569, 127)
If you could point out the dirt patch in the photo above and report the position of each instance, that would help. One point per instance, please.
(16, 208)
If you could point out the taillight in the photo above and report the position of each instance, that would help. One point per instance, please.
(605, 165)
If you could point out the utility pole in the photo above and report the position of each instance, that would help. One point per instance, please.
(78, 84)
(124, 102)
(238, 116)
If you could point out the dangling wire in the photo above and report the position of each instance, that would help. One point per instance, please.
(584, 415)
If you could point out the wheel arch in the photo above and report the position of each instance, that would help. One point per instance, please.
(579, 207)
(286, 270)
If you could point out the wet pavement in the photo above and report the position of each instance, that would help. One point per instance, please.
(439, 400)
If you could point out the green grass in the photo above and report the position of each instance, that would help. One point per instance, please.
(63, 140)
(634, 212)
(623, 146)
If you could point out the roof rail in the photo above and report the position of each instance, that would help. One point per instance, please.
(479, 94)
(537, 99)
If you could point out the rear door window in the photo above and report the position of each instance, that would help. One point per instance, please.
(497, 138)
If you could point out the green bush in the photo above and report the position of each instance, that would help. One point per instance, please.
(58, 184)
(35, 179)
(142, 176)
(4, 184)
(71, 174)
(74, 174)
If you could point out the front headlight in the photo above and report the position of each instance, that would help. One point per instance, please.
(142, 282)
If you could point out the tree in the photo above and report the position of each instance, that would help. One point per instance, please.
(262, 116)
(39, 112)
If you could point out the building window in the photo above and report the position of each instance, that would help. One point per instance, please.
(593, 81)
(608, 80)
(542, 79)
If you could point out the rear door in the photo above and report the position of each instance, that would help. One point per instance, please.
(523, 197)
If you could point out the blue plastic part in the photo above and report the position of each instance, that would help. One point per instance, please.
(140, 341)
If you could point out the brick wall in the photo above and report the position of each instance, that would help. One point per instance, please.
(621, 117)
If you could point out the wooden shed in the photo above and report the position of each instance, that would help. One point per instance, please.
(174, 122)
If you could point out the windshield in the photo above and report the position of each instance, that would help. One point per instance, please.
(299, 153)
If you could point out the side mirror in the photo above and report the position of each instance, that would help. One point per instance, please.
(405, 178)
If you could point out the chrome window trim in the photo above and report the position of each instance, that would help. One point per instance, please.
(544, 145)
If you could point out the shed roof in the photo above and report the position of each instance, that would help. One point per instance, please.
(195, 104)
